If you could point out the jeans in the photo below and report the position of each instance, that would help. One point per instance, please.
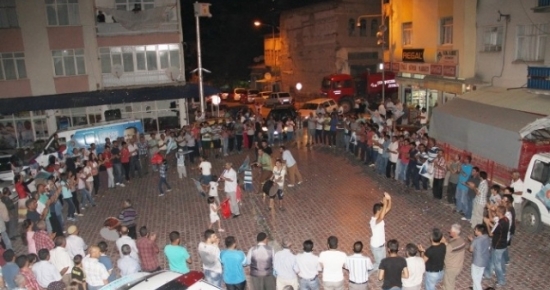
(240, 286)
(86, 197)
(290, 136)
(412, 178)
(451, 192)
(318, 136)
(117, 169)
(460, 197)
(308, 284)
(213, 278)
(162, 181)
(6, 240)
(374, 156)
(378, 254)
(381, 164)
(270, 137)
(431, 279)
(239, 139)
(347, 138)
(110, 178)
(135, 165)
(71, 206)
(332, 138)
(390, 167)
(469, 203)
(506, 255)
(438, 188)
(402, 172)
(497, 264)
(225, 146)
(477, 275)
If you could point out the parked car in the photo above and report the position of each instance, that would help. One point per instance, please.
(265, 94)
(311, 106)
(238, 93)
(279, 98)
(281, 113)
(224, 95)
(6, 160)
(251, 96)
(165, 280)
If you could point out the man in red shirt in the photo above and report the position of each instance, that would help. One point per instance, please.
(370, 134)
(125, 160)
(148, 251)
(404, 148)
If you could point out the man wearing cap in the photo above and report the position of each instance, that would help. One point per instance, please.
(75, 245)
(284, 263)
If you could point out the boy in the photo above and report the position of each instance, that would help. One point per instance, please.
(495, 197)
(78, 277)
(162, 174)
(180, 157)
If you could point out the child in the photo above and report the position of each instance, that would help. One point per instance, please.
(162, 180)
(214, 217)
(213, 189)
(27, 236)
(180, 157)
(67, 197)
(78, 277)
(495, 197)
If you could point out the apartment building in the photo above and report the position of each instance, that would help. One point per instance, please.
(67, 63)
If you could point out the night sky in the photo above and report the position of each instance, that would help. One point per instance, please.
(229, 39)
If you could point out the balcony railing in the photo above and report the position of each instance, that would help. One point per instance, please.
(111, 29)
(542, 6)
(538, 78)
(136, 79)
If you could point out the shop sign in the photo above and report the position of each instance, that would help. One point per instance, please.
(449, 70)
(447, 57)
(375, 82)
(413, 55)
(436, 69)
(425, 68)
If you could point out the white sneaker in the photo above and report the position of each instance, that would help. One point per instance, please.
(122, 185)
(463, 218)
(291, 185)
(299, 182)
(168, 190)
(117, 184)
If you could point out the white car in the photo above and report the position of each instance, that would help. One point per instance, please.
(265, 94)
(239, 93)
(311, 107)
(161, 280)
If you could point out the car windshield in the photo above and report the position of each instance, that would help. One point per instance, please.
(310, 106)
(284, 95)
(241, 91)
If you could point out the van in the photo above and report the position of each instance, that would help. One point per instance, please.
(536, 194)
(84, 136)
(279, 98)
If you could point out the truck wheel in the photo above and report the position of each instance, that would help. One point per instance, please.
(346, 104)
(530, 219)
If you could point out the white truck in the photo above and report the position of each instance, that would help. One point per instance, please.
(536, 195)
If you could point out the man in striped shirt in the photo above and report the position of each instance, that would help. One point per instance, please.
(358, 266)
(128, 217)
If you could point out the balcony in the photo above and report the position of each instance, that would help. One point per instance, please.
(538, 78)
(114, 29)
(145, 78)
(543, 6)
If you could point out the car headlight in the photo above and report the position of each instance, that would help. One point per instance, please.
(264, 129)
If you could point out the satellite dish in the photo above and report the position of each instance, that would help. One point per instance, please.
(117, 70)
(267, 76)
(173, 73)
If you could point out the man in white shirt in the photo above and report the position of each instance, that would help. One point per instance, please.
(332, 261)
(319, 128)
(75, 244)
(229, 176)
(517, 185)
(45, 272)
(61, 259)
(206, 173)
(126, 240)
(358, 266)
(308, 267)
(96, 273)
(126, 264)
(284, 264)
(210, 257)
(291, 166)
(377, 226)
(393, 155)
(416, 267)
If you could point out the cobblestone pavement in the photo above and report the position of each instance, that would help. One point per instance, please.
(335, 199)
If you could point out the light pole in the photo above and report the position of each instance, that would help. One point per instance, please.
(201, 10)
(258, 24)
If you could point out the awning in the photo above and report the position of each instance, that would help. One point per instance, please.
(537, 130)
(102, 97)
(433, 83)
(515, 99)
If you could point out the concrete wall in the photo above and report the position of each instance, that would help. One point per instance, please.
(502, 67)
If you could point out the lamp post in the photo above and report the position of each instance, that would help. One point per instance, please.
(258, 24)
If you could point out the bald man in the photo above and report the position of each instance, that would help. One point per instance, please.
(96, 273)
(127, 240)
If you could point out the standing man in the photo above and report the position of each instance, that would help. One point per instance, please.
(517, 185)
(472, 184)
(143, 154)
(210, 257)
(117, 165)
(454, 257)
(176, 255)
(127, 218)
(480, 247)
(461, 188)
(454, 169)
(206, 173)
(308, 267)
(440, 170)
(393, 268)
(358, 266)
(416, 268)
(332, 261)
(148, 250)
(11, 225)
(310, 129)
(134, 157)
(377, 226)
(229, 176)
(291, 166)
(434, 257)
(233, 263)
(284, 263)
(260, 259)
(153, 146)
(499, 244)
(264, 160)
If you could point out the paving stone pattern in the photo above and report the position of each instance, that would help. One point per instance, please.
(336, 198)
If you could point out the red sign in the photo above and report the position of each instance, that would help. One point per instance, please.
(436, 69)
(427, 69)
(449, 70)
(374, 82)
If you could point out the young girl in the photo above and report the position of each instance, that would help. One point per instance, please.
(72, 184)
(214, 217)
(67, 197)
(95, 173)
(27, 236)
(213, 189)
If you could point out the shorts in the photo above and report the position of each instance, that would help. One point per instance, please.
(206, 144)
(280, 194)
(217, 144)
(205, 179)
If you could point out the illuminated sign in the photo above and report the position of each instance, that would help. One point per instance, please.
(413, 55)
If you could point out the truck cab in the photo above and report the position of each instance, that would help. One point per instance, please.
(340, 88)
(536, 195)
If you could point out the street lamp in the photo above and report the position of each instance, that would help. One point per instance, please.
(258, 24)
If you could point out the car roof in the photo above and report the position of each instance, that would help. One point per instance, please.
(159, 280)
(318, 101)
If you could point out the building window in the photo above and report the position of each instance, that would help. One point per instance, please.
(363, 27)
(12, 66)
(446, 31)
(8, 15)
(62, 12)
(140, 58)
(407, 33)
(130, 5)
(374, 27)
(531, 41)
(492, 38)
(69, 62)
(351, 26)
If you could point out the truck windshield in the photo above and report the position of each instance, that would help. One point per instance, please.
(325, 85)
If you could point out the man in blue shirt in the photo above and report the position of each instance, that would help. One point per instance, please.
(177, 256)
(10, 270)
(233, 263)
(461, 188)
